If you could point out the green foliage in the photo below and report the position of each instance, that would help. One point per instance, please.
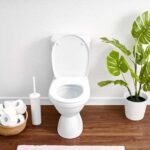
(116, 82)
(140, 54)
(117, 44)
(118, 65)
(133, 74)
(141, 28)
(146, 86)
(147, 53)
(145, 77)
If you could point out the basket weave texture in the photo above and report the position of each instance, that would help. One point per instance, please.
(9, 131)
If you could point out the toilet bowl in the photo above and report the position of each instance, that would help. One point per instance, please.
(69, 90)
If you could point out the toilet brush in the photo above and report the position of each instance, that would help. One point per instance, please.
(35, 105)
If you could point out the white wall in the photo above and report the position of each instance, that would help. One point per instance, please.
(26, 27)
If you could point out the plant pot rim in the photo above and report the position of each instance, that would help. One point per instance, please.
(142, 94)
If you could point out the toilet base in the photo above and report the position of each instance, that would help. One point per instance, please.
(70, 127)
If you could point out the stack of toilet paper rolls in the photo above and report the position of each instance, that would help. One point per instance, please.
(12, 113)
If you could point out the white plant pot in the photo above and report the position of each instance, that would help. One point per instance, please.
(135, 110)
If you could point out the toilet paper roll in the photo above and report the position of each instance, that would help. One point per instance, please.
(13, 121)
(20, 107)
(10, 111)
(9, 120)
(20, 119)
(1, 113)
(1, 107)
(5, 119)
(9, 104)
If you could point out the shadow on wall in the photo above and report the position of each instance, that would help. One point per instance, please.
(37, 60)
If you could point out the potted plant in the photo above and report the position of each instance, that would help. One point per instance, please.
(136, 62)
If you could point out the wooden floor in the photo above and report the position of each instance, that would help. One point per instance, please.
(103, 125)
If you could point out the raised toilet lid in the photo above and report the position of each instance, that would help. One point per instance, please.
(70, 57)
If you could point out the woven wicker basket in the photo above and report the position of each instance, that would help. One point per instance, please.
(9, 131)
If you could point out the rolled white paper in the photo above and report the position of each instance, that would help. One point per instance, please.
(20, 119)
(11, 114)
(1, 107)
(9, 104)
(5, 119)
(13, 121)
(35, 108)
(10, 111)
(20, 107)
(1, 113)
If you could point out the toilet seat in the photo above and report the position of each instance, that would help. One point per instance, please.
(70, 56)
(78, 82)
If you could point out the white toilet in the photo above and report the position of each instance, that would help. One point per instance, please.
(70, 90)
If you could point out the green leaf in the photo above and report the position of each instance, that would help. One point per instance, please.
(116, 82)
(145, 73)
(123, 66)
(138, 53)
(141, 28)
(142, 74)
(145, 77)
(117, 44)
(146, 86)
(120, 82)
(133, 74)
(104, 83)
(147, 53)
(115, 64)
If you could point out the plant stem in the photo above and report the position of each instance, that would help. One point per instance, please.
(135, 82)
(135, 69)
(129, 92)
(127, 85)
(139, 89)
(131, 60)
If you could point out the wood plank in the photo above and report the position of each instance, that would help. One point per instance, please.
(103, 125)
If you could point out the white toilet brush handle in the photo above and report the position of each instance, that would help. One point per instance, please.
(34, 86)
(35, 105)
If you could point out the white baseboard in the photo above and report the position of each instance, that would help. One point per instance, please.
(92, 100)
